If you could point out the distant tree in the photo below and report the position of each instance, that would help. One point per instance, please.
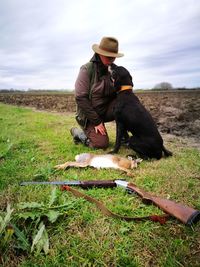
(163, 86)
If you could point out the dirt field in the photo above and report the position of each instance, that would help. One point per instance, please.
(175, 112)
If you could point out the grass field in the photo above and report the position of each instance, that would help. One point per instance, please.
(44, 226)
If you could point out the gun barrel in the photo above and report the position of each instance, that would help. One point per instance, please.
(83, 184)
(77, 183)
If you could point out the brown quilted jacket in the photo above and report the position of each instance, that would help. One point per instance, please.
(93, 95)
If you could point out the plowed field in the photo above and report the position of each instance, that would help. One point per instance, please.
(175, 112)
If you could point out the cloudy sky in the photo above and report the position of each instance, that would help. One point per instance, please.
(43, 43)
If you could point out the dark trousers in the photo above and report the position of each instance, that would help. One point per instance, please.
(98, 140)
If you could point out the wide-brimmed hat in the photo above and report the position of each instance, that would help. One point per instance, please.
(108, 47)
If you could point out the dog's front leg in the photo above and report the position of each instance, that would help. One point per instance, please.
(119, 134)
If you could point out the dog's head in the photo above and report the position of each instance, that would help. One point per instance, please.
(120, 76)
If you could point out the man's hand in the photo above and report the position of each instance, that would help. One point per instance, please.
(100, 128)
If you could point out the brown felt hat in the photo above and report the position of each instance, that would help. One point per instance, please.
(108, 47)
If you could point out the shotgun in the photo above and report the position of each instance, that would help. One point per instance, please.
(183, 213)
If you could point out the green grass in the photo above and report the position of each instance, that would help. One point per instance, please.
(31, 143)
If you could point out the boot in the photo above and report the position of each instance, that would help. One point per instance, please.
(79, 136)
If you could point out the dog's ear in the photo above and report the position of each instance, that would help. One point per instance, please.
(126, 75)
(130, 80)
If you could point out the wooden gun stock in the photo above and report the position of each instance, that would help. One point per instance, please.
(185, 214)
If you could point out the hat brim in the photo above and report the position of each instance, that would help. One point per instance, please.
(102, 52)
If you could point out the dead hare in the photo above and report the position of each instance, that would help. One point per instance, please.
(101, 161)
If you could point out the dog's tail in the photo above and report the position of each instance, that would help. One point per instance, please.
(167, 153)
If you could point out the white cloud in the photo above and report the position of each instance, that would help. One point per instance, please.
(44, 43)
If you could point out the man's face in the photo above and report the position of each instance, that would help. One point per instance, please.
(107, 60)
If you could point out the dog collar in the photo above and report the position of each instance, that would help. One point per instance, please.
(125, 87)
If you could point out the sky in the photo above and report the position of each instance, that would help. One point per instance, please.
(43, 43)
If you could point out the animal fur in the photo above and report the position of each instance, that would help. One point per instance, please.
(132, 116)
(101, 161)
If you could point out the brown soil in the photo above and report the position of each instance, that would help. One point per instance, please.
(176, 112)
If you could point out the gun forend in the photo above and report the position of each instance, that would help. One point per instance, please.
(98, 183)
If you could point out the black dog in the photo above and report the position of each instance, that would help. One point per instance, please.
(132, 116)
